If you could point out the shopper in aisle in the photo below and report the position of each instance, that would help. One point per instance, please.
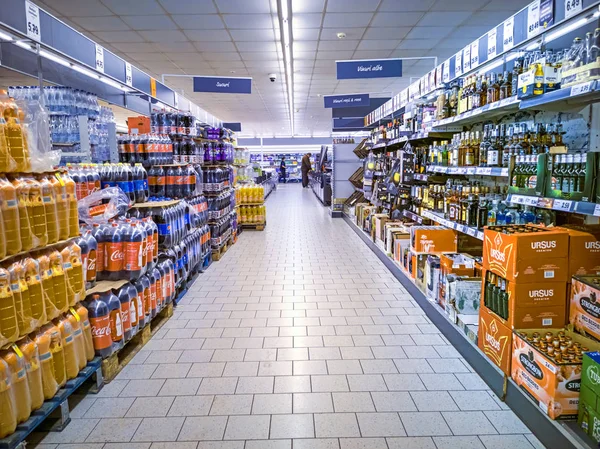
(306, 167)
(282, 171)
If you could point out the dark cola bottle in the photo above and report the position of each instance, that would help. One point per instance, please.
(133, 241)
(125, 300)
(99, 317)
(141, 310)
(116, 321)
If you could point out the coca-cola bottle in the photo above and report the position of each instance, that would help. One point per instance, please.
(116, 319)
(133, 240)
(91, 267)
(99, 317)
(98, 231)
(113, 252)
(140, 184)
(141, 310)
(125, 300)
(145, 280)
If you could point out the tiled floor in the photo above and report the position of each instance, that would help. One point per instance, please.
(299, 338)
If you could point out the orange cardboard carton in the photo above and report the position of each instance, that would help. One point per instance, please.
(584, 308)
(458, 264)
(138, 125)
(495, 339)
(433, 240)
(551, 380)
(537, 255)
(584, 250)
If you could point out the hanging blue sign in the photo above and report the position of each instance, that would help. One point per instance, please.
(340, 123)
(236, 127)
(222, 85)
(346, 101)
(369, 68)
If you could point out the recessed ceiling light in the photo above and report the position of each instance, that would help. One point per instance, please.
(341, 35)
(232, 71)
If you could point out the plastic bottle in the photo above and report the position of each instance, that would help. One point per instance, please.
(78, 340)
(171, 188)
(113, 252)
(33, 278)
(20, 299)
(153, 296)
(140, 181)
(4, 155)
(73, 267)
(17, 141)
(43, 340)
(17, 366)
(62, 211)
(133, 251)
(125, 300)
(98, 235)
(116, 322)
(85, 252)
(59, 281)
(72, 202)
(99, 317)
(91, 266)
(68, 346)
(58, 355)
(26, 231)
(145, 280)
(141, 312)
(8, 417)
(34, 373)
(46, 271)
(50, 209)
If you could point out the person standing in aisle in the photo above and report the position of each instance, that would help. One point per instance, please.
(282, 170)
(306, 167)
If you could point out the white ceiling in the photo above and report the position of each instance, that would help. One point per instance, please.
(241, 38)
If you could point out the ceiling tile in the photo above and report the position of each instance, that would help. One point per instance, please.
(135, 47)
(80, 8)
(119, 36)
(221, 56)
(455, 43)
(334, 55)
(346, 20)
(189, 6)
(471, 32)
(406, 6)
(207, 35)
(311, 34)
(300, 6)
(418, 44)
(305, 46)
(463, 5)
(429, 32)
(150, 22)
(120, 7)
(260, 56)
(173, 48)
(163, 36)
(386, 33)
(351, 6)
(378, 44)
(370, 54)
(179, 58)
(513, 5)
(111, 23)
(450, 18)
(257, 46)
(307, 20)
(489, 18)
(252, 35)
(393, 19)
(245, 21)
(330, 34)
(306, 55)
(214, 46)
(342, 44)
(199, 21)
(243, 6)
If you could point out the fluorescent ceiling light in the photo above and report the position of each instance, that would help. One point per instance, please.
(22, 44)
(55, 58)
(558, 33)
(5, 37)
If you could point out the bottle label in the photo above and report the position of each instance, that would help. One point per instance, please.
(160, 180)
(124, 186)
(555, 184)
(139, 185)
(164, 229)
(171, 180)
(532, 182)
(133, 256)
(133, 312)
(91, 265)
(101, 332)
(114, 256)
(107, 184)
(125, 317)
(116, 325)
(492, 158)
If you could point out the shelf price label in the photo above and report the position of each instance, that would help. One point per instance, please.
(32, 19)
(486, 171)
(458, 63)
(531, 200)
(533, 19)
(508, 40)
(581, 89)
(475, 54)
(492, 51)
(99, 58)
(128, 75)
(446, 71)
(573, 7)
(597, 210)
(472, 232)
(467, 59)
(562, 205)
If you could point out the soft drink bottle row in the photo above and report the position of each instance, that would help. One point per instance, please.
(221, 227)
(99, 135)
(119, 250)
(64, 129)
(218, 153)
(38, 288)
(117, 315)
(174, 123)
(90, 178)
(148, 149)
(216, 179)
(174, 182)
(252, 214)
(14, 149)
(36, 211)
(189, 253)
(198, 211)
(221, 202)
(188, 151)
(38, 365)
(60, 100)
(170, 221)
(250, 194)
(217, 133)
(241, 156)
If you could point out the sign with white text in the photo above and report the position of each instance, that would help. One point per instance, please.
(369, 68)
(222, 85)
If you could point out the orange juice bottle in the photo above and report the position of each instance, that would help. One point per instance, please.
(4, 157)
(24, 213)
(59, 281)
(17, 145)
(46, 271)
(62, 206)
(78, 341)
(43, 340)
(84, 322)
(69, 347)
(20, 386)
(73, 253)
(10, 216)
(31, 270)
(8, 417)
(50, 209)
(58, 354)
(72, 204)
(21, 298)
(9, 328)
(34, 374)
(2, 235)
(37, 217)
(65, 255)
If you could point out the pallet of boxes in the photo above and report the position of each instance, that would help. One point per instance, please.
(525, 292)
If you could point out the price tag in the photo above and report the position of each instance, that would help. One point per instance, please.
(467, 59)
(32, 19)
(458, 63)
(438, 76)
(472, 232)
(573, 7)
(517, 199)
(99, 58)
(480, 235)
(597, 210)
(533, 19)
(508, 40)
(563, 205)
(446, 71)
(475, 54)
(492, 51)
(471, 171)
(581, 89)
(486, 171)
(531, 200)
(494, 105)
(128, 74)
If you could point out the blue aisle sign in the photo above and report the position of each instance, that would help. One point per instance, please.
(222, 85)
(369, 68)
(346, 101)
(233, 126)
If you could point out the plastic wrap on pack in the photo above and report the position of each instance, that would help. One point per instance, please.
(94, 208)
(8, 417)
(20, 292)
(46, 274)
(43, 340)
(9, 327)
(34, 371)
(36, 124)
(18, 367)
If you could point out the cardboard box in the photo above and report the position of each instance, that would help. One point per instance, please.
(458, 264)
(392, 234)
(527, 256)
(463, 294)
(139, 125)
(554, 386)
(495, 340)
(433, 240)
(589, 396)
(432, 277)
(584, 309)
(584, 250)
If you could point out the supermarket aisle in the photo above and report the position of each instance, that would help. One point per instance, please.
(299, 334)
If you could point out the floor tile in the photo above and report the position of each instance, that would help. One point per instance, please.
(380, 425)
(424, 424)
(469, 423)
(272, 404)
(336, 425)
(158, 429)
(150, 407)
(313, 403)
(109, 408)
(203, 428)
(471, 442)
(252, 427)
(353, 402)
(412, 443)
(191, 406)
(363, 443)
(505, 442)
(318, 443)
(118, 430)
(292, 426)
(239, 404)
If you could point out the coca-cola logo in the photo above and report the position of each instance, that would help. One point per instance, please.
(100, 331)
(91, 265)
(116, 256)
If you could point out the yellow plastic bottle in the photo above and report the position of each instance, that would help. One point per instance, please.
(43, 340)
(65, 255)
(34, 373)
(58, 354)
(37, 216)
(84, 322)
(20, 386)
(31, 270)
(4, 157)
(2, 236)
(78, 341)
(59, 282)
(26, 229)
(62, 205)
(72, 204)
(10, 216)
(8, 417)
(16, 138)
(9, 328)
(50, 209)
(52, 310)
(73, 250)
(21, 297)
(69, 347)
